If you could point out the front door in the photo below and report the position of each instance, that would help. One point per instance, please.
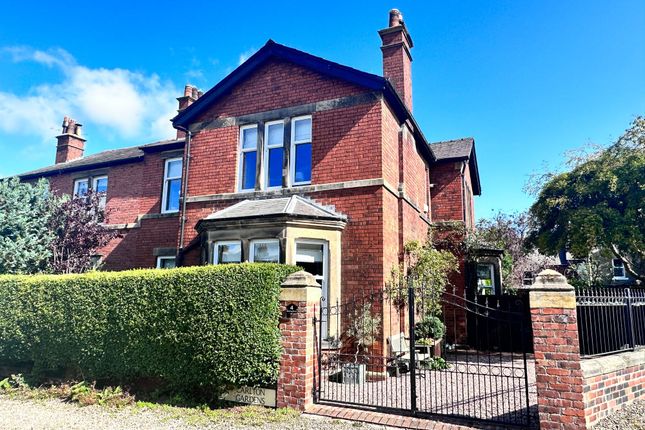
(312, 255)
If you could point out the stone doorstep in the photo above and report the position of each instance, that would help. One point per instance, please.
(389, 420)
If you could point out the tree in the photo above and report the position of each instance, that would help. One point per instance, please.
(25, 213)
(426, 269)
(509, 232)
(598, 204)
(43, 233)
(79, 229)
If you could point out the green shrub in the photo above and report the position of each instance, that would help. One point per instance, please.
(198, 329)
(430, 327)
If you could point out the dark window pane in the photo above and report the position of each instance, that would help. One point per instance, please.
(172, 196)
(248, 173)
(275, 167)
(303, 163)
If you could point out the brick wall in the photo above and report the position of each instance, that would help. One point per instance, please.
(447, 202)
(575, 393)
(134, 189)
(279, 84)
(612, 382)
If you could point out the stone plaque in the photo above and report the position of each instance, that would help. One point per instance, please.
(252, 396)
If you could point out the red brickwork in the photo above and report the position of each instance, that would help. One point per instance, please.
(447, 197)
(606, 393)
(298, 361)
(574, 393)
(397, 63)
(557, 368)
(279, 84)
(134, 190)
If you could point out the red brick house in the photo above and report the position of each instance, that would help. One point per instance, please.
(290, 158)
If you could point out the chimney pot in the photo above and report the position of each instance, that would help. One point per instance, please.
(191, 94)
(200, 93)
(65, 124)
(71, 143)
(396, 18)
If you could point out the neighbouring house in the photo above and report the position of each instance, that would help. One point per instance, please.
(601, 266)
(291, 158)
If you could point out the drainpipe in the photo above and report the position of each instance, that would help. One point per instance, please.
(463, 191)
(184, 193)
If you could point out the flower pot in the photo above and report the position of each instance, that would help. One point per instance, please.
(354, 373)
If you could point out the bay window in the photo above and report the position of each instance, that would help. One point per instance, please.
(265, 251)
(227, 252)
(248, 156)
(171, 185)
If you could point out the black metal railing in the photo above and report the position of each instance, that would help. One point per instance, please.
(400, 368)
(610, 320)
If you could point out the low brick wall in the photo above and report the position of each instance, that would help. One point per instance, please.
(612, 382)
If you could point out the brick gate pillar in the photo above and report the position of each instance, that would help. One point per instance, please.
(559, 377)
(299, 304)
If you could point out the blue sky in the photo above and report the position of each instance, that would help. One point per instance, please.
(528, 80)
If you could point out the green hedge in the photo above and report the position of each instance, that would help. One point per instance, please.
(197, 328)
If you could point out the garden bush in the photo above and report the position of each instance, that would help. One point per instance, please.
(198, 329)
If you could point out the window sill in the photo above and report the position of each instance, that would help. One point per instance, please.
(160, 215)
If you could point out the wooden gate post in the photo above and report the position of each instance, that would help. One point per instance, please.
(299, 304)
(559, 377)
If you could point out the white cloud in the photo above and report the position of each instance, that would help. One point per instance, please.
(131, 104)
(245, 55)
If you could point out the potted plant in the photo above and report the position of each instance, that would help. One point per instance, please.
(363, 329)
(429, 332)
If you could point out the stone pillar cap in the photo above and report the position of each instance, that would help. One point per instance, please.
(550, 280)
(300, 279)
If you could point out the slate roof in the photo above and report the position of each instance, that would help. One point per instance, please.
(105, 158)
(460, 149)
(453, 149)
(295, 206)
(320, 65)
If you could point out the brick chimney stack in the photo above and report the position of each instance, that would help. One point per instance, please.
(397, 60)
(71, 144)
(191, 94)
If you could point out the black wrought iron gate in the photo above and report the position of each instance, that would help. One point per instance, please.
(381, 351)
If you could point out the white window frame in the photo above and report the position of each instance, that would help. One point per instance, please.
(265, 161)
(95, 181)
(326, 272)
(614, 267)
(292, 149)
(493, 281)
(260, 241)
(166, 181)
(79, 181)
(241, 151)
(161, 258)
(226, 242)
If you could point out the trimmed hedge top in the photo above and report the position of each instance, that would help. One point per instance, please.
(197, 328)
